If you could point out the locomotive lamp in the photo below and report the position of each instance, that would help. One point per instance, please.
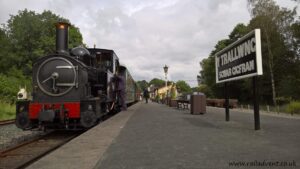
(22, 94)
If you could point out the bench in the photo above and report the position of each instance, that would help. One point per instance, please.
(221, 103)
(183, 104)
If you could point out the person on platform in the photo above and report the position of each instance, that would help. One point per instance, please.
(146, 95)
(121, 91)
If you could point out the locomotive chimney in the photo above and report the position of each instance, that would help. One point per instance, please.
(62, 39)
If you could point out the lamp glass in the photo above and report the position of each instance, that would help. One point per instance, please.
(166, 68)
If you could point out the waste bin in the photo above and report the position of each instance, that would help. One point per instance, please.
(198, 103)
(173, 103)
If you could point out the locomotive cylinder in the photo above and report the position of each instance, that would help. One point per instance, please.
(62, 37)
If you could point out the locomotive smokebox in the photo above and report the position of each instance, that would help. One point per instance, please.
(62, 37)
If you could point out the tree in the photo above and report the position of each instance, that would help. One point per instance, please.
(280, 39)
(208, 73)
(296, 40)
(157, 82)
(203, 89)
(33, 36)
(275, 24)
(143, 84)
(7, 58)
(183, 86)
(238, 31)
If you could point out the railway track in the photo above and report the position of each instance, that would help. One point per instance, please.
(7, 122)
(27, 153)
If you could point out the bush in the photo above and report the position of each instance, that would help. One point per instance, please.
(9, 85)
(293, 107)
(157, 98)
(283, 100)
(206, 90)
(173, 93)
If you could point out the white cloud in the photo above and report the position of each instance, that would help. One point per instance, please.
(148, 34)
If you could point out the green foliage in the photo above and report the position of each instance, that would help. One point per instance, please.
(32, 36)
(75, 37)
(157, 82)
(7, 111)
(183, 86)
(289, 86)
(293, 107)
(296, 40)
(208, 72)
(7, 58)
(173, 93)
(143, 84)
(283, 100)
(10, 84)
(238, 31)
(279, 58)
(204, 89)
(157, 98)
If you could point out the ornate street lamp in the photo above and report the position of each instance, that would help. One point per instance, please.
(166, 72)
(199, 79)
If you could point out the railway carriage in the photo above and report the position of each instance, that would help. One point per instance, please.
(131, 87)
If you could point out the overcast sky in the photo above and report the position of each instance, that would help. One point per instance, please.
(147, 34)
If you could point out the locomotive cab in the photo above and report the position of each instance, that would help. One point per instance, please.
(107, 63)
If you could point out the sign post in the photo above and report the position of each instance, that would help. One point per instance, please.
(256, 105)
(239, 60)
(227, 117)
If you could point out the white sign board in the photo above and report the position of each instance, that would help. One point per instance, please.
(241, 59)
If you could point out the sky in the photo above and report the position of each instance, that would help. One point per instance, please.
(148, 34)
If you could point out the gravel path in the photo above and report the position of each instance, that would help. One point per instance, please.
(10, 135)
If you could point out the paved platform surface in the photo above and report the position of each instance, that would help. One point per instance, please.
(160, 137)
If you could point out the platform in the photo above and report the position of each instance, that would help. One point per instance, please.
(154, 136)
(85, 151)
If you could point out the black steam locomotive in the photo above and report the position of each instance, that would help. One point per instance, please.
(73, 88)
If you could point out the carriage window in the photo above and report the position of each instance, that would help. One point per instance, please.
(107, 63)
(104, 61)
(117, 66)
(98, 58)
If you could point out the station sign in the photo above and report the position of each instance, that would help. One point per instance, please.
(240, 59)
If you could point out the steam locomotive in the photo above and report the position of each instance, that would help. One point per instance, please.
(73, 88)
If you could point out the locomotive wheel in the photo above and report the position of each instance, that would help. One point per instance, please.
(88, 119)
(22, 120)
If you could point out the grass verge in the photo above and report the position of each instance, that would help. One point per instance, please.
(7, 111)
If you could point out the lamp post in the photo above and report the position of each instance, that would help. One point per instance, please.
(166, 72)
(199, 79)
